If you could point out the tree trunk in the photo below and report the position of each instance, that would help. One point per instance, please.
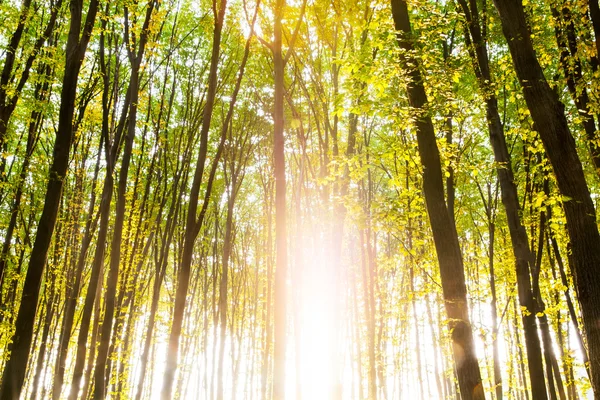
(194, 222)
(519, 240)
(110, 154)
(227, 245)
(49, 311)
(268, 295)
(554, 379)
(566, 40)
(135, 56)
(444, 233)
(280, 306)
(41, 93)
(549, 116)
(570, 305)
(72, 292)
(15, 367)
(491, 214)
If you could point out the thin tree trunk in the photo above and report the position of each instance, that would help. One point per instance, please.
(417, 333)
(520, 358)
(223, 287)
(444, 232)
(570, 305)
(110, 154)
(228, 241)
(554, 379)
(268, 307)
(95, 327)
(494, 302)
(567, 364)
(566, 39)
(72, 292)
(280, 306)
(371, 371)
(135, 56)
(41, 94)
(194, 221)
(49, 311)
(160, 270)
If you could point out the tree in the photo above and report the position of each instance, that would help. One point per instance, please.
(15, 367)
(549, 116)
(444, 231)
(194, 221)
(510, 199)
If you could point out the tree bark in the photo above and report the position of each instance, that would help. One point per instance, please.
(280, 306)
(566, 39)
(135, 56)
(549, 116)
(519, 240)
(41, 93)
(15, 367)
(72, 292)
(444, 233)
(194, 222)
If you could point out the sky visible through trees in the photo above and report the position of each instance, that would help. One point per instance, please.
(299, 199)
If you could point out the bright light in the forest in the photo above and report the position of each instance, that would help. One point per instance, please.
(316, 329)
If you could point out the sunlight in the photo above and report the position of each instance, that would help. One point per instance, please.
(245, 21)
(316, 349)
(316, 327)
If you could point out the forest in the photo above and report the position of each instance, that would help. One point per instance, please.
(301, 199)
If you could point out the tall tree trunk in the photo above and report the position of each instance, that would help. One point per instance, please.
(41, 94)
(520, 359)
(90, 297)
(15, 367)
(369, 314)
(444, 233)
(490, 206)
(340, 208)
(280, 306)
(194, 221)
(554, 379)
(135, 57)
(519, 240)
(87, 374)
(566, 38)
(49, 311)
(160, 270)
(172, 220)
(234, 169)
(549, 116)
(72, 292)
(223, 287)
(268, 295)
(570, 305)
(111, 151)
(417, 333)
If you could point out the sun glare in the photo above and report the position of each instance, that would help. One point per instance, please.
(316, 337)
